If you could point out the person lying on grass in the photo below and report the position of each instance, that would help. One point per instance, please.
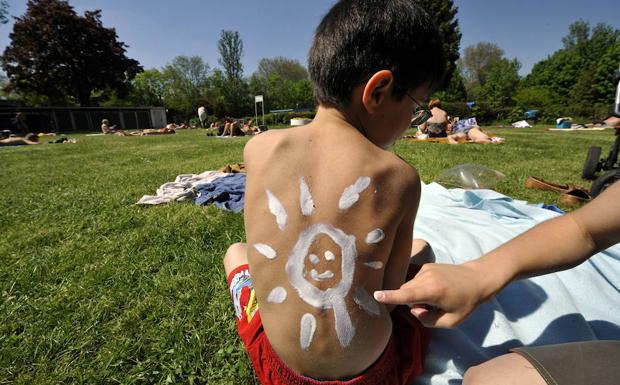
(20, 141)
(468, 130)
(455, 291)
(329, 212)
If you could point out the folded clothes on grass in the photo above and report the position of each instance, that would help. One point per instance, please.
(225, 190)
(183, 188)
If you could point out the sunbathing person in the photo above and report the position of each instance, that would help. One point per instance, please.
(438, 126)
(250, 128)
(20, 141)
(232, 128)
(155, 131)
(107, 129)
(468, 130)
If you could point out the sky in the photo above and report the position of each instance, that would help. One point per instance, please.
(158, 30)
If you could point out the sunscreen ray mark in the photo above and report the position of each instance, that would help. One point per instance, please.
(375, 236)
(351, 194)
(329, 256)
(305, 198)
(277, 295)
(324, 276)
(265, 250)
(306, 330)
(377, 265)
(345, 331)
(277, 209)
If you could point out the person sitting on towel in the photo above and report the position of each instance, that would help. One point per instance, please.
(438, 126)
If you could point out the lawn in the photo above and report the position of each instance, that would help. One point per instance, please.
(97, 290)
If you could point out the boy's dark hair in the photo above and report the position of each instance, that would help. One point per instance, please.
(360, 37)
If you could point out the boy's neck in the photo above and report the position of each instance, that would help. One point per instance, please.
(326, 116)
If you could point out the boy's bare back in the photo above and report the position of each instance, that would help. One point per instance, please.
(328, 219)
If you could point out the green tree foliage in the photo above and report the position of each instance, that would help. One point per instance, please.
(4, 12)
(150, 88)
(581, 74)
(284, 68)
(476, 62)
(185, 83)
(443, 13)
(284, 84)
(502, 80)
(63, 57)
(230, 47)
(234, 91)
(456, 91)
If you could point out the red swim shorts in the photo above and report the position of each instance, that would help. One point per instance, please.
(400, 363)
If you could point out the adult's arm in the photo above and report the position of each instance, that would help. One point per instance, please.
(455, 291)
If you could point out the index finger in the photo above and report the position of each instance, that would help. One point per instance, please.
(405, 296)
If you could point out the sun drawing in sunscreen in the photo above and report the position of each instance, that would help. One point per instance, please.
(332, 297)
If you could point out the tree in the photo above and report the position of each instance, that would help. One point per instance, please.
(285, 68)
(476, 61)
(582, 73)
(443, 14)
(502, 80)
(64, 57)
(149, 88)
(186, 84)
(230, 46)
(4, 12)
(456, 91)
(234, 91)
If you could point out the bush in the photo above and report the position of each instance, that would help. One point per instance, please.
(285, 117)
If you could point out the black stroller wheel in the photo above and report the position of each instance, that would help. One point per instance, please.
(592, 163)
(601, 183)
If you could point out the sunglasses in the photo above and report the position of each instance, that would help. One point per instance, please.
(419, 114)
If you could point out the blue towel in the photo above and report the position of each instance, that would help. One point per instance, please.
(226, 192)
(573, 305)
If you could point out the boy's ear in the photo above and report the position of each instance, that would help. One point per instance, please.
(377, 89)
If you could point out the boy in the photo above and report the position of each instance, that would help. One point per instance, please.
(329, 212)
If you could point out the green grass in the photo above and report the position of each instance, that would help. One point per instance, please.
(95, 289)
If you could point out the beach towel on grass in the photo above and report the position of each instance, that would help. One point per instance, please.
(574, 305)
(226, 193)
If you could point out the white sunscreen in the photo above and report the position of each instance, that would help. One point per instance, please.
(329, 256)
(377, 265)
(351, 194)
(265, 250)
(306, 330)
(375, 236)
(314, 259)
(305, 198)
(277, 295)
(324, 276)
(366, 302)
(276, 208)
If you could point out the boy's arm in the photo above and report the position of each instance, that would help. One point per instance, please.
(558, 244)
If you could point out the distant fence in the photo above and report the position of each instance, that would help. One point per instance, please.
(59, 119)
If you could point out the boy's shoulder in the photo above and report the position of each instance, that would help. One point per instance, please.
(263, 143)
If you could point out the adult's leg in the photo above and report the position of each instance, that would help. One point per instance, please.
(236, 256)
(509, 369)
(421, 252)
(477, 136)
